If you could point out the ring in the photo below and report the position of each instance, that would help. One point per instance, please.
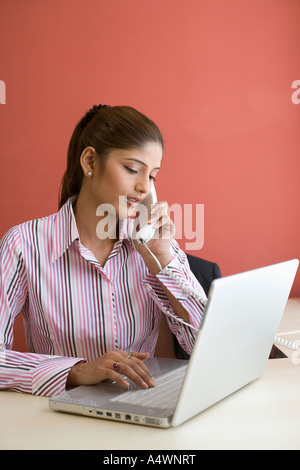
(130, 354)
(116, 365)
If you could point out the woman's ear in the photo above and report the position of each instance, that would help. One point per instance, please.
(88, 161)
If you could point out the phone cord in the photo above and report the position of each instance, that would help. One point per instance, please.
(286, 344)
(279, 341)
(187, 290)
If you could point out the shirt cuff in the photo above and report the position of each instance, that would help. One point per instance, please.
(177, 278)
(50, 376)
(158, 295)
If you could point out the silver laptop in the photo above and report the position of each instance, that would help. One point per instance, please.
(232, 347)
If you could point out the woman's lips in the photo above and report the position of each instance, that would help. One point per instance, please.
(133, 202)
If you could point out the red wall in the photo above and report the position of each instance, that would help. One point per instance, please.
(216, 75)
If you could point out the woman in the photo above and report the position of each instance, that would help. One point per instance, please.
(94, 305)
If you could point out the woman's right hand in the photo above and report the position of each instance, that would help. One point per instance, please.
(88, 373)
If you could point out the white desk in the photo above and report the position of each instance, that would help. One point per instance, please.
(263, 415)
(290, 326)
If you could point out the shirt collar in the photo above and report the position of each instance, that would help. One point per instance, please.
(66, 232)
(65, 229)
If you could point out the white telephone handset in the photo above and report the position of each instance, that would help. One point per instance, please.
(145, 231)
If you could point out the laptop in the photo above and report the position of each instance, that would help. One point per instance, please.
(231, 350)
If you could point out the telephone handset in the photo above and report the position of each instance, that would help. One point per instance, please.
(145, 231)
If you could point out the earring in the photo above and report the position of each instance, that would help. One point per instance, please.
(89, 173)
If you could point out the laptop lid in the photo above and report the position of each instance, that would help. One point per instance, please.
(236, 335)
(241, 319)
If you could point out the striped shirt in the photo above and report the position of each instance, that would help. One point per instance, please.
(74, 309)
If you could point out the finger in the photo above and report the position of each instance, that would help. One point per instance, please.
(158, 209)
(165, 219)
(127, 370)
(140, 368)
(136, 360)
(138, 355)
(135, 369)
(158, 205)
(159, 216)
(137, 375)
(115, 377)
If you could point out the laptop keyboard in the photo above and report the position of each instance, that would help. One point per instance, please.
(164, 395)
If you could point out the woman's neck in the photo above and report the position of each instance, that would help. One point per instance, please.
(91, 226)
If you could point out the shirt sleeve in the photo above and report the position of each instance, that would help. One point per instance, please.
(180, 282)
(38, 374)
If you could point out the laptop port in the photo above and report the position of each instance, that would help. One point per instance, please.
(109, 414)
(128, 417)
(152, 421)
(99, 413)
(118, 415)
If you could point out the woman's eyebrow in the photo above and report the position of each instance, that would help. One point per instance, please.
(142, 163)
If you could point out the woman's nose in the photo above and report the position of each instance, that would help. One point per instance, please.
(143, 185)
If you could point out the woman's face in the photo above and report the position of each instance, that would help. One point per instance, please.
(127, 174)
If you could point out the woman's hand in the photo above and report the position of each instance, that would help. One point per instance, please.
(162, 239)
(105, 367)
(165, 229)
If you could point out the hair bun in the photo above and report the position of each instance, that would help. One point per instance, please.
(92, 112)
(96, 107)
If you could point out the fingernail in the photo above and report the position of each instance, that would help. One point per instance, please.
(152, 382)
(145, 385)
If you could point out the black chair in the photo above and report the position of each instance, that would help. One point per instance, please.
(204, 271)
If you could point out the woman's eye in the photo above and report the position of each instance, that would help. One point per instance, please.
(130, 170)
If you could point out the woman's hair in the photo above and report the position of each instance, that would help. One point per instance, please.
(105, 128)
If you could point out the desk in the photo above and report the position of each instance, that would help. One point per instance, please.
(263, 415)
(289, 327)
